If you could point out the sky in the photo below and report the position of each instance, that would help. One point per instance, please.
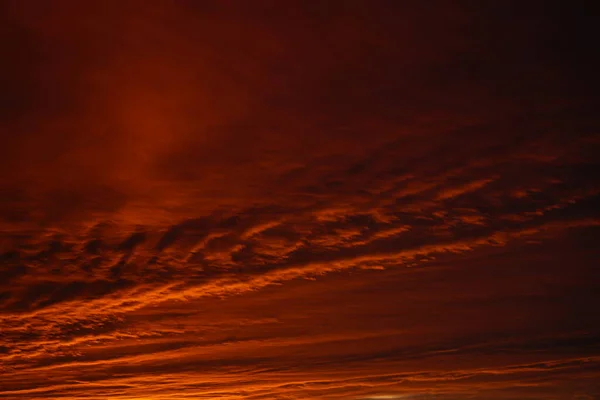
(299, 200)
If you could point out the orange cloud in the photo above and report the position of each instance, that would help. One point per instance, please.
(336, 200)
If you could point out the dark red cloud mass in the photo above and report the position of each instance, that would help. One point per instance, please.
(299, 200)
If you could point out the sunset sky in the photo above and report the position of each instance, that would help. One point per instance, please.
(376, 199)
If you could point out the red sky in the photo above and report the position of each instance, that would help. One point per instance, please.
(299, 200)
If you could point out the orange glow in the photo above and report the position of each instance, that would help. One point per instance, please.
(298, 200)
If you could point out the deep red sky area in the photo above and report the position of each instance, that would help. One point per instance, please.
(299, 200)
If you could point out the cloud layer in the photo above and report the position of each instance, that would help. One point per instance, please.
(302, 201)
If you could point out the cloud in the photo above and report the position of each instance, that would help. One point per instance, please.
(296, 201)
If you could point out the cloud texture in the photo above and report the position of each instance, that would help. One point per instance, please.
(266, 200)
